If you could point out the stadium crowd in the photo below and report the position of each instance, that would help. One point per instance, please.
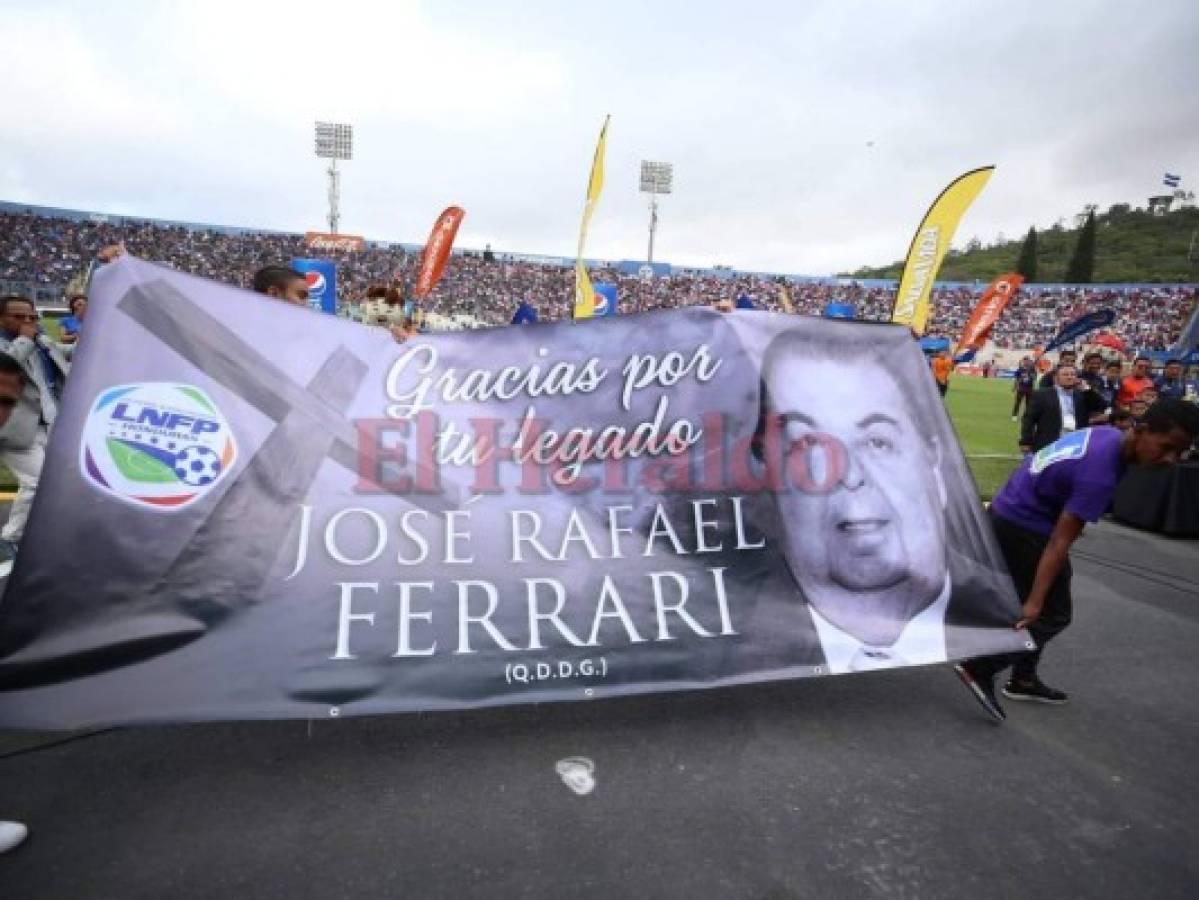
(50, 251)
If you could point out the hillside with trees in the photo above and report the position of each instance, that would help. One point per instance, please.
(1120, 245)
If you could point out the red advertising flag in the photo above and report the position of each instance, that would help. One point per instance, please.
(994, 299)
(437, 251)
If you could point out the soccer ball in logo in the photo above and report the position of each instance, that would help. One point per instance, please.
(157, 445)
(197, 465)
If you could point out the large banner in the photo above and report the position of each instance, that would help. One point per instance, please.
(320, 521)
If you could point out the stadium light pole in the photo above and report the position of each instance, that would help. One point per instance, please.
(333, 142)
(657, 178)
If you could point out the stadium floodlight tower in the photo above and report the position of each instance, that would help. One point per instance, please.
(657, 178)
(334, 142)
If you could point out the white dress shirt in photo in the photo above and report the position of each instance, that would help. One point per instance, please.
(921, 641)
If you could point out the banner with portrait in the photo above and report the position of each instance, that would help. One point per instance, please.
(327, 522)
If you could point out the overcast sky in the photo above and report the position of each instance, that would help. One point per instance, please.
(807, 137)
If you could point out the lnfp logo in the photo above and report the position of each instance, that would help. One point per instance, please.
(157, 444)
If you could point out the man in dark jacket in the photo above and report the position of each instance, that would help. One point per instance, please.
(1055, 411)
(1065, 358)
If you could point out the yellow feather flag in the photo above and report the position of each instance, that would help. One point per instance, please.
(929, 246)
(584, 292)
(785, 298)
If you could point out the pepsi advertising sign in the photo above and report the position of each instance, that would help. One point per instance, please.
(605, 300)
(321, 275)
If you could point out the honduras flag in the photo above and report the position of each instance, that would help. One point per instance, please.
(1171, 181)
(605, 300)
(525, 314)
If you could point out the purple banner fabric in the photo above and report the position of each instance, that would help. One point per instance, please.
(250, 510)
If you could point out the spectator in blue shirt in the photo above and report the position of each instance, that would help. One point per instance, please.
(70, 325)
(1171, 386)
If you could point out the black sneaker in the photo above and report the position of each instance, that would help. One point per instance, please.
(1036, 690)
(983, 690)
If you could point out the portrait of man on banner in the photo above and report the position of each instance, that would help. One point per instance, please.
(872, 530)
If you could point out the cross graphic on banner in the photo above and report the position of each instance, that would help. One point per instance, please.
(260, 505)
(223, 566)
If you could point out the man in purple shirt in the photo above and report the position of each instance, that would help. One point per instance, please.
(1042, 510)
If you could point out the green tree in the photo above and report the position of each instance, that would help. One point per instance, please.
(1135, 246)
(1026, 265)
(1081, 269)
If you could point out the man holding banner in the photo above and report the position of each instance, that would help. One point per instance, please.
(1041, 511)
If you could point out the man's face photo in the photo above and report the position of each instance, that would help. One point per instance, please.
(869, 553)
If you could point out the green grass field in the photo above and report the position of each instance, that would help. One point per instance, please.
(981, 411)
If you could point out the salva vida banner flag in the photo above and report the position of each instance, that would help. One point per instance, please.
(913, 297)
(249, 510)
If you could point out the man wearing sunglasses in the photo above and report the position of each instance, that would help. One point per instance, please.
(23, 437)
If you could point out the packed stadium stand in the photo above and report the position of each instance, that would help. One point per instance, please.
(42, 249)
